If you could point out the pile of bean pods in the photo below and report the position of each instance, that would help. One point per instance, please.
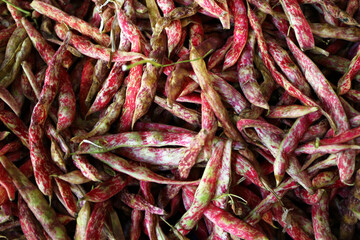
(179, 119)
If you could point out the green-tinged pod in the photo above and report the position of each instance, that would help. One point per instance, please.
(204, 193)
(35, 201)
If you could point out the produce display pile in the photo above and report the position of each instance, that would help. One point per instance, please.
(180, 119)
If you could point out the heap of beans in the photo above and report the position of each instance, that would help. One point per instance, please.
(179, 119)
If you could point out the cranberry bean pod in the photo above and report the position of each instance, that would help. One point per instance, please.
(204, 192)
(240, 33)
(136, 171)
(35, 201)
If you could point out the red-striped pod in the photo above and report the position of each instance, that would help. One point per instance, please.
(208, 123)
(189, 115)
(272, 142)
(106, 189)
(64, 194)
(149, 79)
(226, 220)
(73, 22)
(342, 138)
(204, 193)
(148, 126)
(6, 182)
(196, 31)
(97, 220)
(250, 123)
(244, 168)
(108, 89)
(44, 48)
(150, 219)
(212, 96)
(29, 225)
(240, 33)
(324, 179)
(316, 131)
(227, 92)
(212, 7)
(320, 217)
(86, 78)
(15, 13)
(328, 149)
(14, 123)
(132, 89)
(290, 142)
(156, 156)
(300, 25)
(137, 202)
(89, 49)
(289, 224)
(35, 201)
(332, 104)
(100, 72)
(134, 170)
(173, 31)
(246, 75)
(290, 111)
(67, 103)
(309, 199)
(344, 83)
(288, 67)
(5, 34)
(131, 31)
(135, 229)
(219, 54)
(189, 158)
(82, 221)
(42, 166)
(134, 139)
